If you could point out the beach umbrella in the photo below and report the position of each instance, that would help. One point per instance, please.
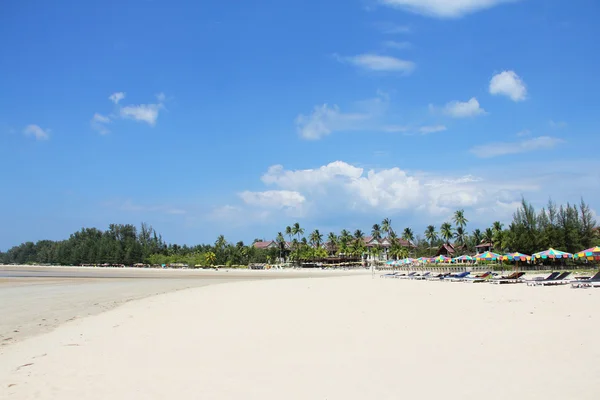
(552, 254)
(589, 254)
(423, 260)
(516, 257)
(463, 258)
(441, 258)
(488, 256)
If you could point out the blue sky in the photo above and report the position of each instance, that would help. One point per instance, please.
(243, 117)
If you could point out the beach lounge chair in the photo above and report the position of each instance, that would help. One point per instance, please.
(437, 277)
(515, 277)
(421, 277)
(559, 280)
(392, 275)
(479, 278)
(456, 277)
(408, 276)
(594, 281)
(535, 281)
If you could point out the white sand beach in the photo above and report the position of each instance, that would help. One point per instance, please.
(331, 338)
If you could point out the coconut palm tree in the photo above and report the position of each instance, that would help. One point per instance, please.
(398, 252)
(297, 231)
(358, 246)
(477, 236)
(210, 258)
(446, 232)
(408, 235)
(332, 242)
(386, 226)
(488, 235)
(316, 238)
(497, 226)
(460, 236)
(345, 238)
(280, 243)
(376, 232)
(359, 235)
(431, 234)
(459, 218)
(289, 232)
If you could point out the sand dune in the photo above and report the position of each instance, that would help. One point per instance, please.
(334, 338)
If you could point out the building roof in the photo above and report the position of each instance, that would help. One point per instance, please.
(385, 242)
(484, 245)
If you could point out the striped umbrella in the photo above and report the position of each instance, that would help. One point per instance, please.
(463, 258)
(552, 254)
(440, 259)
(488, 256)
(589, 254)
(517, 257)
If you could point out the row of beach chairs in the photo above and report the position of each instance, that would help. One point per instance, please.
(554, 279)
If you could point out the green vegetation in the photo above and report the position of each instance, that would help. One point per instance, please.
(568, 228)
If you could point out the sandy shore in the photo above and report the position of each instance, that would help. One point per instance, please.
(35, 300)
(336, 338)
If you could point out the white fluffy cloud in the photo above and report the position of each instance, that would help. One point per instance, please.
(147, 113)
(444, 8)
(36, 132)
(116, 97)
(508, 83)
(379, 63)
(142, 112)
(342, 186)
(525, 146)
(289, 201)
(463, 109)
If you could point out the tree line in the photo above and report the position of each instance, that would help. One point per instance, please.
(569, 227)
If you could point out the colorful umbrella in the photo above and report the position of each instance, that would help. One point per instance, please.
(440, 259)
(424, 260)
(488, 256)
(463, 258)
(517, 257)
(589, 254)
(551, 253)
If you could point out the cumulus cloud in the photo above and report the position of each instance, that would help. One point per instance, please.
(98, 123)
(116, 97)
(462, 109)
(36, 132)
(443, 8)
(379, 63)
(342, 186)
(525, 146)
(508, 83)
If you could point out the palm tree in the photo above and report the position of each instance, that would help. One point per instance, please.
(408, 235)
(316, 238)
(386, 226)
(297, 231)
(359, 235)
(289, 232)
(376, 232)
(488, 235)
(280, 243)
(332, 242)
(477, 236)
(497, 226)
(460, 236)
(431, 234)
(220, 243)
(446, 232)
(210, 258)
(459, 218)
